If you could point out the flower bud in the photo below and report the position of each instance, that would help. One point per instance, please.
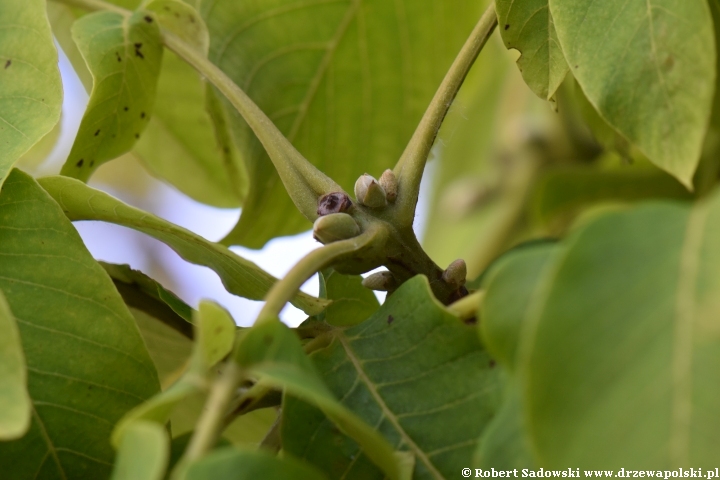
(335, 202)
(454, 275)
(380, 281)
(335, 226)
(389, 183)
(369, 192)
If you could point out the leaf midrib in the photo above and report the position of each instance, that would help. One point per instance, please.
(386, 410)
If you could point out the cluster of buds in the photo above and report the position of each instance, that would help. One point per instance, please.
(376, 194)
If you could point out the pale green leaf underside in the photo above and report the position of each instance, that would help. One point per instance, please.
(215, 334)
(182, 20)
(30, 85)
(513, 286)
(124, 56)
(15, 404)
(180, 144)
(240, 277)
(87, 364)
(345, 80)
(351, 302)
(232, 464)
(645, 347)
(143, 453)
(187, 142)
(527, 26)
(648, 67)
(396, 372)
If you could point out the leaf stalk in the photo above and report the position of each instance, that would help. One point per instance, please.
(410, 167)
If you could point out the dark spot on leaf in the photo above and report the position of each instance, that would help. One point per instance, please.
(167, 8)
(192, 19)
(119, 58)
(8, 63)
(226, 150)
(471, 321)
(97, 132)
(138, 53)
(126, 109)
(92, 163)
(491, 364)
(148, 18)
(335, 202)
(138, 45)
(218, 329)
(142, 114)
(137, 135)
(576, 66)
(390, 319)
(177, 15)
(507, 25)
(80, 163)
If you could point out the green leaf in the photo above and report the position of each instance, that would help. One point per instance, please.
(648, 67)
(87, 364)
(397, 372)
(560, 194)
(143, 453)
(240, 277)
(126, 280)
(182, 20)
(170, 351)
(180, 144)
(30, 85)
(527, 26)
(123, 55)
(345, 81)
(272, 352)
(187, 142)
(214, 336)
(351, 302)
(232, 464)
(15, 404)
(512, 287)
(619, 360)
(504, 444)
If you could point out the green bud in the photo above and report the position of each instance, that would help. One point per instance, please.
(454, 275)
(369, 192)
(380, 281)
(335, 226)
(389, 183)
